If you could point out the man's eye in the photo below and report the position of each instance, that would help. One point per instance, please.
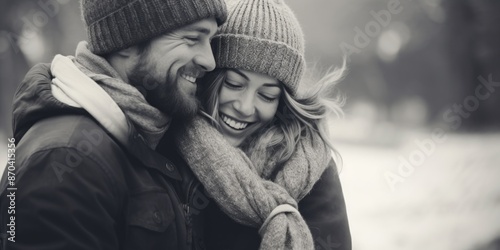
(192, 39)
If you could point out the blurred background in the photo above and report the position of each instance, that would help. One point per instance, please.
(420, 139)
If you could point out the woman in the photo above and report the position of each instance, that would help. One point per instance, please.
(263, 161)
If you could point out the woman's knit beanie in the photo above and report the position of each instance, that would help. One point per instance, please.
(113, 25)
(263, 36)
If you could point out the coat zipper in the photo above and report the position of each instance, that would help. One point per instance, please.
(187, 216)
(187, 211)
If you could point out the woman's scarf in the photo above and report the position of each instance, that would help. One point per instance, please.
(238, 188)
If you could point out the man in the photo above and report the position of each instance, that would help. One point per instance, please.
(86, 175)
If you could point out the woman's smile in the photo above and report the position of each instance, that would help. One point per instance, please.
(233, 123)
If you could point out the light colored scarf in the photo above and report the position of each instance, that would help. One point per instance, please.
(236, 184)
(150, 122)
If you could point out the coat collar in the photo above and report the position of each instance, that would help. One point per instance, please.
(138, 148)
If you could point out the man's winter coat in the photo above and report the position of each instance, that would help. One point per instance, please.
(77, 187)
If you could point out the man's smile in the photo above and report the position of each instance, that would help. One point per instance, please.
(189, 78)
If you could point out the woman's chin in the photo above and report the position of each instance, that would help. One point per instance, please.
(235, 142)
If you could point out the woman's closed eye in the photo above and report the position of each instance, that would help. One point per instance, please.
(268, 98)
(232, 85)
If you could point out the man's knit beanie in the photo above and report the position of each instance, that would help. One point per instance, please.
(263, 36)
(113, 25)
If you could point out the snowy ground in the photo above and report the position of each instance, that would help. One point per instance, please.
(450, 201)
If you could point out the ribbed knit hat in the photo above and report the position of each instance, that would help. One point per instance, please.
(262, 36)
(113, 25)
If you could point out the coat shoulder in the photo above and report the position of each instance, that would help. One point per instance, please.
(71, 141)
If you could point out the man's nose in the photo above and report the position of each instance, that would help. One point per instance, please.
(205, 58)
(245, 105)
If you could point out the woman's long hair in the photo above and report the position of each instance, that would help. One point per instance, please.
(296, 117)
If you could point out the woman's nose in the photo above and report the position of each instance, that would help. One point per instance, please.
(245, 105)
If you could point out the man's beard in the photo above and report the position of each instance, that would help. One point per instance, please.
(163, 94)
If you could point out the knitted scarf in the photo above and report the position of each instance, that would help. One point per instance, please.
(150, 122)
(238, 188)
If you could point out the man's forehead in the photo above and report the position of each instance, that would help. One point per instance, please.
(205, 26)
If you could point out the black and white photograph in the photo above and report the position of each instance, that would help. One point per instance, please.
(249, 125)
